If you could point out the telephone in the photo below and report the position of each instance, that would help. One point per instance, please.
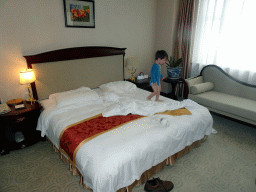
(4, 108)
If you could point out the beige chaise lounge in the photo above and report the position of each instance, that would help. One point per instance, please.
(221, 93)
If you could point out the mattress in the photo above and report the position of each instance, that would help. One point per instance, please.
(117, 158)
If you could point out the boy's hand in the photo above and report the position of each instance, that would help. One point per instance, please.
(162, 79)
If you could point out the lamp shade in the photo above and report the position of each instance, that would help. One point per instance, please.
(27, 76)
(132, 62)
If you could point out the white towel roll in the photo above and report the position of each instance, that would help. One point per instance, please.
(164, 122)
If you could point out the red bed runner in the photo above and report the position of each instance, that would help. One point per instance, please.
(75, 135)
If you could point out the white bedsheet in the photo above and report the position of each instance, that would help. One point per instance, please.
(117, 158)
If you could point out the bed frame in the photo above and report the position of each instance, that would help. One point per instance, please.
(66, 69)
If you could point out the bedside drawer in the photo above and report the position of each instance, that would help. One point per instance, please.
(18, 120)
(21, 117)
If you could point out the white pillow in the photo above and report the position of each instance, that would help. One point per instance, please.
(201, 87)
(80, 98)
(119, 86)
(54, 96)
(46, 103)
(110, 96)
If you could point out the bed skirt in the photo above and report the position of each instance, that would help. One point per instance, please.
(146, 175)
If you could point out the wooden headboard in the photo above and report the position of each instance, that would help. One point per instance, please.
(66, 69)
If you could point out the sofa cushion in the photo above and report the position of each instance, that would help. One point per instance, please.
(202, 87)
(242, 107)
(194, 80)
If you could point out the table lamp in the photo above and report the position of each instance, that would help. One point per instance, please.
(28, 77)
(132, 64)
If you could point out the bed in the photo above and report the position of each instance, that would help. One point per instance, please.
(128, 139)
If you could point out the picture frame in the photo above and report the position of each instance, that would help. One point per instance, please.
(79, 13)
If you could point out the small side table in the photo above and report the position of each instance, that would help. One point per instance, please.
(18, 127)
(177, 87)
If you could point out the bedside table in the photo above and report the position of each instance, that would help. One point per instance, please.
(178, 88)
(18, 127)
(143, 84)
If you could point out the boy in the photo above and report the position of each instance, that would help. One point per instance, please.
(160, 59)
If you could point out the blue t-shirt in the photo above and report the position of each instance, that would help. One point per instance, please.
(155, 74)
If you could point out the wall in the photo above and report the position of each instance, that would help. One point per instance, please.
(29, 27)
(166, 25)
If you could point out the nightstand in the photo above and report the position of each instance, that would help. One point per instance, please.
(18, 127)
(178, 88)
(142, 83)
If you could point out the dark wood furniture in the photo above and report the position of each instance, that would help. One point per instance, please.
(179, 88)
(142, 84)
(18, 127)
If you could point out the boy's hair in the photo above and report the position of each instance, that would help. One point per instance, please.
(161, 54)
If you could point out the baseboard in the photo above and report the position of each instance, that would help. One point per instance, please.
(233, 119)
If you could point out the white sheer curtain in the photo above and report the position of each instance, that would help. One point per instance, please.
(225, 35)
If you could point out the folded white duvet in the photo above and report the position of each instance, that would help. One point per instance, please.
(117, 158)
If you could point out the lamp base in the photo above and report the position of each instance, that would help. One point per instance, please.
(132, 71)
(31, 100)
(132, 79)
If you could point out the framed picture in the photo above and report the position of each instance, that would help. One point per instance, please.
(79, 13)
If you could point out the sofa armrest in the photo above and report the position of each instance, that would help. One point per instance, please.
(194, 81)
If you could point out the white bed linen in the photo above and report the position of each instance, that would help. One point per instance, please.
(46, 103)
(116, 159)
